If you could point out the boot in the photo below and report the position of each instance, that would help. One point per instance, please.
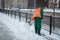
(35, 31)
(39, 33)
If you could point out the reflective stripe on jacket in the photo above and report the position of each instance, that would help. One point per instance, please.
(37, 13)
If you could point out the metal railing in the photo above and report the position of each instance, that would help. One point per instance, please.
(46, 19)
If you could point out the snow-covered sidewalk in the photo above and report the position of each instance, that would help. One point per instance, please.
(23, 31)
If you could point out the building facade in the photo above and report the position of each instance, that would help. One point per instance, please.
(53, 3)
(16, 3)
(20, 3)
(0, 4)
(46, 3)
(30, 3)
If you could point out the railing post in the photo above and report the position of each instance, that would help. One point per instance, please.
(53, 24)
(11, 13)
(5, 11)
(30, 20)
(8, 12)
(19, 16)
(30, 17)
(26, 17)
(50, 24)
(15, 14)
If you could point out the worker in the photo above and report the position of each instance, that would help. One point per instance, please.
(37, 17)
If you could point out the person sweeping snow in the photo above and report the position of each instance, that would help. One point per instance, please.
(37, 17)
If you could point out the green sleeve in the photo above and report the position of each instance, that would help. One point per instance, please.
(42, 13)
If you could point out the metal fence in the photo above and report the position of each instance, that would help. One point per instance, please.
(46, 19)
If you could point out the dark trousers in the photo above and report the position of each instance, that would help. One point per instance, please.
(37, 25)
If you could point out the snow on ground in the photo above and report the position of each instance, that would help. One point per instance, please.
(29, 10)
(23, 31)
(5, 33)
(52, 10)
(45, 10)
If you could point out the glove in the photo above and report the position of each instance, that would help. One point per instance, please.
(42, 18)
(32, 18)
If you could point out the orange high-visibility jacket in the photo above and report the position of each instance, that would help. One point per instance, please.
(36, 13)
